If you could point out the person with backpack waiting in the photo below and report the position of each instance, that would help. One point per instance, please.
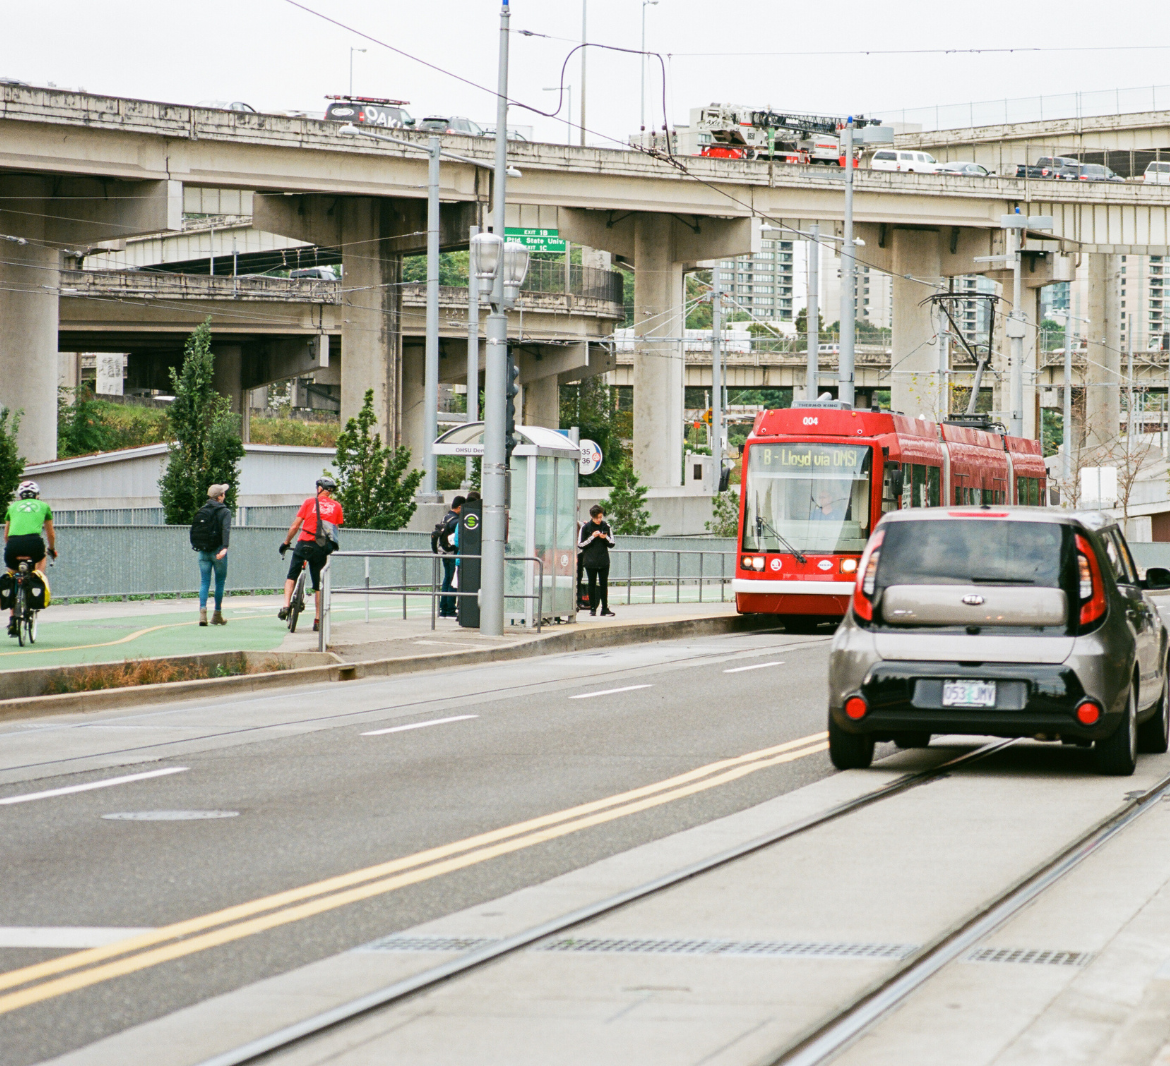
(444, 540)
(210, 532)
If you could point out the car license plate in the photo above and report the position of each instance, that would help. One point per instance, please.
(968, 694)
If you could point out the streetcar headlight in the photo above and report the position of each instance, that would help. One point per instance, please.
(758, 563)
(746, 562)
(848, 566)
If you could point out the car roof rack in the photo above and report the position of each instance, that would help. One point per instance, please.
(369, 100)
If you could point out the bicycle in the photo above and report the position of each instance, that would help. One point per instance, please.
(297, 603)
(24, 613)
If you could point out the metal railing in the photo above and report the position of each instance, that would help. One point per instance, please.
(412, 586)
(640, 570)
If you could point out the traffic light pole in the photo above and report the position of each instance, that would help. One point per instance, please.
(472, 348)
(494, 471)
(716, 377)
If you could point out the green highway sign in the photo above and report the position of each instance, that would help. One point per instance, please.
(537, 240)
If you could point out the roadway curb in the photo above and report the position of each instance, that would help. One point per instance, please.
(577, 639)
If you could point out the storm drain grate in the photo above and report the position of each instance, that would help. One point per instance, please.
(786, 949)
(1031, 956)
(427, 943)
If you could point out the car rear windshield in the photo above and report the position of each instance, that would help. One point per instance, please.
(973, 551)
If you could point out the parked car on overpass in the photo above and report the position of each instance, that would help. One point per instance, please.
(455, 124)
(369, 111)
(907, 162)
(971, 170)
(1157, 174)
(228, 105)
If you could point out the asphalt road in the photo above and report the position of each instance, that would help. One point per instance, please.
(314, 798)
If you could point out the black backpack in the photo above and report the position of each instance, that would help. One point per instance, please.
(441, 535)
(205, 529)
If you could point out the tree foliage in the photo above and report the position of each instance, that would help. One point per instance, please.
(592, 407)
(81, 426)
(12, 463)
(373, 486)
(724, 514)
(625, 507)
(205, 444)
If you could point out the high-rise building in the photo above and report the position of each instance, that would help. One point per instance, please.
(762, 283)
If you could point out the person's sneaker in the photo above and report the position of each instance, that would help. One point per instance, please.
(282, 614)
(607, 613)
(593, 613)
(13, 629)
(316, 625)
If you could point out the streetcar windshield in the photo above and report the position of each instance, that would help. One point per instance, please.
(807, 497)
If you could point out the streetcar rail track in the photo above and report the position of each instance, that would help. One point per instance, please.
(434, 976)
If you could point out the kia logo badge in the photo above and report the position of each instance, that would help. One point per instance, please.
(973, 600)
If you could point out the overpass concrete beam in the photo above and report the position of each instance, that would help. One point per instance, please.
(1103, 373)
(85, 211)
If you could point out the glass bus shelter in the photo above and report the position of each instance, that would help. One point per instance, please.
(542, 518)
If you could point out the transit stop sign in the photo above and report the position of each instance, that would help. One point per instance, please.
(591, 457)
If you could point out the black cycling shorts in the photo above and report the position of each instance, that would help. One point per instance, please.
(28, 545)
(307, 552)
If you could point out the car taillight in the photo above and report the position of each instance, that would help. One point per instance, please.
(856, 708)
(863, 590)
(1092, 588)
(1088, 712)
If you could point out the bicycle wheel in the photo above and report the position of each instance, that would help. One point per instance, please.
(31, 626)
(18, 604)
(297, 603)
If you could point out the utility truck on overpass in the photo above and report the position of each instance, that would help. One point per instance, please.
(731, 131)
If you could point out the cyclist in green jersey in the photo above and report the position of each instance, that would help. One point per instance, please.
(27, 517)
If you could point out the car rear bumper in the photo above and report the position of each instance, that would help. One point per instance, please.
(1031, 699)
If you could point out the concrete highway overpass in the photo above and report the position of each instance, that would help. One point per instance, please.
(80, 168)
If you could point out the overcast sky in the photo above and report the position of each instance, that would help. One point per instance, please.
(277, 57)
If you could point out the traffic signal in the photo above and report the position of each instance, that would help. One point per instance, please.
(511, 391)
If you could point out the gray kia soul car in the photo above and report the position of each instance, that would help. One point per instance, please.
(1008, 621)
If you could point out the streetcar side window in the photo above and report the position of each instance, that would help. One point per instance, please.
(918, 489)
(933, 485)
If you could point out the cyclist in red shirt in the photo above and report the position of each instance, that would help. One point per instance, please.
(306, 550)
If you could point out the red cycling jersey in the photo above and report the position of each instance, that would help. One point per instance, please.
(330, 512)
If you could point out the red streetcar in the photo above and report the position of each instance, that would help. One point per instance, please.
(818, 477)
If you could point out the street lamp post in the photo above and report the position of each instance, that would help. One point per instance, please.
(351, 52)
(472, 348)
(645, 4)
(568, 110)
(584, 6)
(716, 376)
(845, 347)
(812, 377)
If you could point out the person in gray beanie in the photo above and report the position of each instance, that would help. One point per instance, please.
(210, 532)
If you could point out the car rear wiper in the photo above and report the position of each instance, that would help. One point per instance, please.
(761, 525)
(1003, 580)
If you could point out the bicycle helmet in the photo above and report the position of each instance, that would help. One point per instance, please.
(27, 489)
(327, 483)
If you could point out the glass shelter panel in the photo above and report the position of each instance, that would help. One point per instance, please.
(519, 527)
(565, 563)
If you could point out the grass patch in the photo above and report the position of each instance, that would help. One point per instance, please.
(151, 672)
(293, 432)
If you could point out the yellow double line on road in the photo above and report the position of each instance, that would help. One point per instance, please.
(81, 969)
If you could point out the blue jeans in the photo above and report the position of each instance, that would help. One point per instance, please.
(447, 603)
(207, 563)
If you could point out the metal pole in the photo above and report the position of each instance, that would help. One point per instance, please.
(812, 382)
(493, 473)
(716, 377)
(944, 365)
(431, 372)
(472, 349)
(642, 61)
(1016, 423)
(584, 5)
(1129, 421)
(845, 359)
(1067, 414)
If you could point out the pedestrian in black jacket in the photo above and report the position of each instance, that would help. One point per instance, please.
(595, 541)
(448, 531)
(212, 530)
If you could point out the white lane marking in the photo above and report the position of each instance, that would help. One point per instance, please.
(608, 692)
(754, 666)
(91, 785)
(419, 725)
(65, 936)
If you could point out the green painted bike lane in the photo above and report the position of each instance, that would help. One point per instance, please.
(114, 638)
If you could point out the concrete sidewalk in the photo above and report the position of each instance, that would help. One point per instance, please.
(139, 629)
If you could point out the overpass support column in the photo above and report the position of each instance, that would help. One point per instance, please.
(1103, 372)
(29, 277)
(914, 354)
(412, 424)
(542, 402)
(371, 337)
(658, 360)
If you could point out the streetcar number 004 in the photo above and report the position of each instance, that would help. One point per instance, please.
(810, 420)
